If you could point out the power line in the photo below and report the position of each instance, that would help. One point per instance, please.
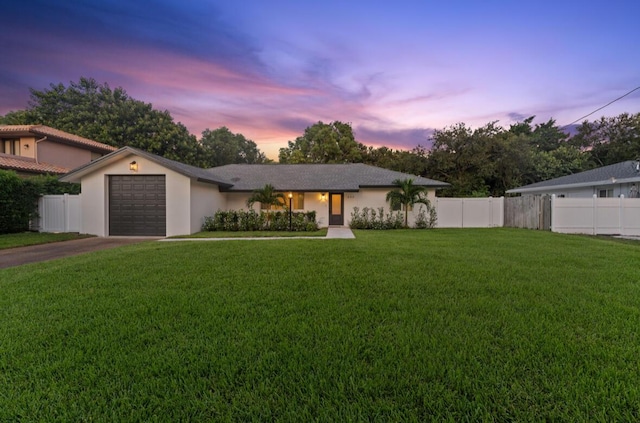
(597, 110)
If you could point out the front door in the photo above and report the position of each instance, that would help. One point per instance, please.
(336, 209)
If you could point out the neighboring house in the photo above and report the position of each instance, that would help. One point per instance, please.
(39, 149)
(133, 192)
(607, 181)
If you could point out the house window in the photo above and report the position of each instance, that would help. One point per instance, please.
(11, 147)
(605, 193)
(297, 202)
(400, 207)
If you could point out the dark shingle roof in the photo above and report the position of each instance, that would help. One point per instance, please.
(314, 177)
(620, 172)
(198, 173)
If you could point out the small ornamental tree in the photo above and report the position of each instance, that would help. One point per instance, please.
(267, 197)
(407, 195)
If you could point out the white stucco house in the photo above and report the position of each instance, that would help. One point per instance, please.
(608, 181)
(131, 192)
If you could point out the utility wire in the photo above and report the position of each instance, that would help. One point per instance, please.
(597, 110)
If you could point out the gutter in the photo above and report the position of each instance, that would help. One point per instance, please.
(36, 148)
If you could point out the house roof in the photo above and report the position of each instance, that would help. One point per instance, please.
(314, 177)
(29, 165)
(61, 136)
(249, 177)
(623, 172)
(191, 171)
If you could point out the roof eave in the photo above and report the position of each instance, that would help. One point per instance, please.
(569, 186)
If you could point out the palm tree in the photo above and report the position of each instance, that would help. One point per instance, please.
(266, 196)
(407, 195)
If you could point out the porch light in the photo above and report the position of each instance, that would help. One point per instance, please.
(323, 196)
(133, 166)
(290, 221)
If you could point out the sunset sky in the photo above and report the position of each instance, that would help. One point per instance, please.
(394, 70)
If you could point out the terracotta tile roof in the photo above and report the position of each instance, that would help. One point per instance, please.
(66, 137)
(26, 164)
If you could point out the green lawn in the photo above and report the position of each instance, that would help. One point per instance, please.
(444, 325)
(254, 234)
(32, 238)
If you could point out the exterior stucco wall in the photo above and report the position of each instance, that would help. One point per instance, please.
(62, 154)
(205, 200)
(375, 198)
(366, 197)
(95, 196)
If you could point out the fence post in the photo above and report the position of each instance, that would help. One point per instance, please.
(65, 210)
(621, 214)
(553, 212)
(595, 215)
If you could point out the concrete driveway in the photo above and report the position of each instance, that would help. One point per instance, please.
(43, 252)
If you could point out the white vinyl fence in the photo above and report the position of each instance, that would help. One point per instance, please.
(470, 212)
(58, 213)
(596, 216)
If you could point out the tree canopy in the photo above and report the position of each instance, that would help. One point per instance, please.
(324, 143)
(93, 110)
(221, 146)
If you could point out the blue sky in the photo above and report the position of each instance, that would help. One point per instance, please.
(394, 70)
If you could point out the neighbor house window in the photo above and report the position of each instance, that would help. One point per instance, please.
(11, 147)
(605, 193)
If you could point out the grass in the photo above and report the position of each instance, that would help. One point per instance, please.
(254, 234)
(24, 239)
(444, 325)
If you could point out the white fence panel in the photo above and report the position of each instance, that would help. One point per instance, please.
(470, 212)
(59, 213)
(596, 216)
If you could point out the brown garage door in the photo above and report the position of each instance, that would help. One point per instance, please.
(137, 205)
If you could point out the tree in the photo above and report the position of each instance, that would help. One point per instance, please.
(95, 111)
(610, 140)
(407, 195)
(324, 143)
(267, 197)
(221, 146)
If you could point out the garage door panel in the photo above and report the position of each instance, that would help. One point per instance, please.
(137, 205)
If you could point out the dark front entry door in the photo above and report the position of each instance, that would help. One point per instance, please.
(336, 209)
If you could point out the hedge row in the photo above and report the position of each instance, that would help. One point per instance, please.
(19, 198)
(243, 220)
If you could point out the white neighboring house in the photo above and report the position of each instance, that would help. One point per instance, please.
(620, 179)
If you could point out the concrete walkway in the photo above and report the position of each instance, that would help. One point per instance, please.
(337, 232)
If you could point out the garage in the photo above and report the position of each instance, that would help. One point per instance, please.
(137, 205)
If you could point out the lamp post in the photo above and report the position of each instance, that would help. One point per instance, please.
(290, 200)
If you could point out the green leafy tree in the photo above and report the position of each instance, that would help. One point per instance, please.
(407, 195)
(221, 146)
(324, 143)
(267, 197)
(110, 116)
(610, 140)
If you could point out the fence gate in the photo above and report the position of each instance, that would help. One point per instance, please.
(528, 211)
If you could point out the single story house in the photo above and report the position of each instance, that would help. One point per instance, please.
(607, 181)
(131, 192)
(39, 149)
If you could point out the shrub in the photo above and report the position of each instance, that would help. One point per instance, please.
(375, 219)
(423, 221)
(242, 220)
